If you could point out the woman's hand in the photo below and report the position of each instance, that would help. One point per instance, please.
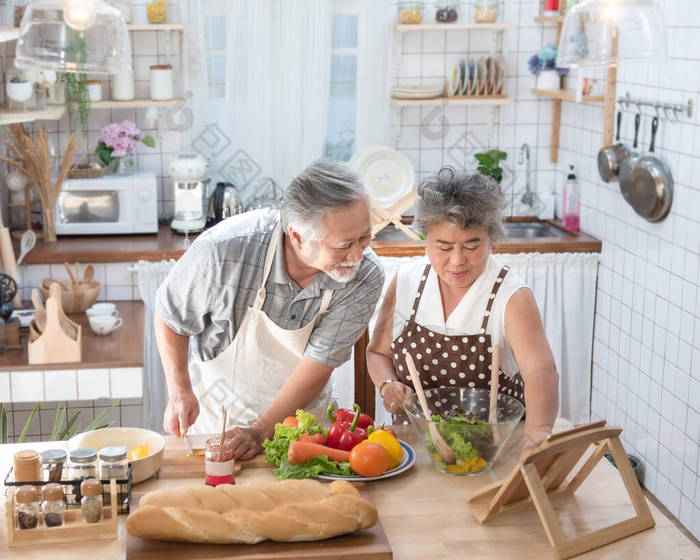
(394, 395)
(533, 440)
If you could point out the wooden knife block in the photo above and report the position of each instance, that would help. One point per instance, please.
(61, 340)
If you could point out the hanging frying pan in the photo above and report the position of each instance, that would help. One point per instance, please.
(651, 184)
(610, 157)
(630, 161)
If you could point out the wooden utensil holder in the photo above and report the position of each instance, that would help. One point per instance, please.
(61, 340)
(72, 530)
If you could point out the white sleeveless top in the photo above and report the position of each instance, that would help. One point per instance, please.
(469, 313)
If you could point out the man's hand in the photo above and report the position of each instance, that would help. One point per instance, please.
(247, 442)
(181, 412)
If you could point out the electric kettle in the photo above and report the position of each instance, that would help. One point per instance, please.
(223, 203)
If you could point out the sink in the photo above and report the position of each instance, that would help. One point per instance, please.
(533, 229)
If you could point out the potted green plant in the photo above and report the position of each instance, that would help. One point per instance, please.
(18, 89)
(76, 90)
(488, 164)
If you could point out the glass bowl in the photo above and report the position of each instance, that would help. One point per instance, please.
(476, 445)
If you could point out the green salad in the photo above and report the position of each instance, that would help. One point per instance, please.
(468, 436)
(277, 448)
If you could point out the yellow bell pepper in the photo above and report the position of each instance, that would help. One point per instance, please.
(390, 443)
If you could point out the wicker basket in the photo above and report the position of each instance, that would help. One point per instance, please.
(86, 171)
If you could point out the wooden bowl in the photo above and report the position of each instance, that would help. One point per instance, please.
(74, 301)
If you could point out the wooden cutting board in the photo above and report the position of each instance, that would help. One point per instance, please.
(369, 544)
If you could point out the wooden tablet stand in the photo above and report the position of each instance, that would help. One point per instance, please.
(382, 217)
(541, 476)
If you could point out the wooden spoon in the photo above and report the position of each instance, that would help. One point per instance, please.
(70, 274)
(88, 274)
(441, 446)
(493, 402)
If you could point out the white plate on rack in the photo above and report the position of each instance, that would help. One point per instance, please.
(387, 174)
(407, 460)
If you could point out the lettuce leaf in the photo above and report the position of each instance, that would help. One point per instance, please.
(277, 448)
(312, 468)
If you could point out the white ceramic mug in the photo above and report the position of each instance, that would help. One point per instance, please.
(105, 324)
(103, 308)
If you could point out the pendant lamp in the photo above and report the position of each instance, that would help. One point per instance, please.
(73, 36)
(608, 32)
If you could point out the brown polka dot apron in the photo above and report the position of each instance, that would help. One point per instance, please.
(462, 360)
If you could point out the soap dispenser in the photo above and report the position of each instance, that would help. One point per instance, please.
(571, 207)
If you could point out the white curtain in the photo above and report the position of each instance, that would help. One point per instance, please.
(564, 286)
(374, 60)
(155, 392)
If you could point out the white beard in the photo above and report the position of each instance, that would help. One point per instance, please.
(344, 272)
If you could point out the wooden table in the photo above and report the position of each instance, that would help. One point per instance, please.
(424, 515)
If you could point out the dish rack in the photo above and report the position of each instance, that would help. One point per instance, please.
(73, 528)
(71, 490)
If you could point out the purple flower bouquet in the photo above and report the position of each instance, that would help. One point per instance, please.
(118, 143)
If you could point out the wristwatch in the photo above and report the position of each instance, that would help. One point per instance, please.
(381, 385)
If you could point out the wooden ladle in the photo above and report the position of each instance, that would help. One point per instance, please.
(440, 444)
(493, 401)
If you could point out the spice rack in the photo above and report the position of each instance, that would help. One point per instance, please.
(72, 530)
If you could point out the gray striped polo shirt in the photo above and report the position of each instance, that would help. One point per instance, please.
(211, 286)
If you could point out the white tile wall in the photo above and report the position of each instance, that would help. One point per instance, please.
(646, 371)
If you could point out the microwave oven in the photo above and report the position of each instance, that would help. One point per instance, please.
(112, 204)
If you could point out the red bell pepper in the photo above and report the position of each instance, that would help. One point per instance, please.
(345, 435)
(347, 415)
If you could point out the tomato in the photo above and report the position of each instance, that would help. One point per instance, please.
(369, 459)
(389, 442)
(291, 421)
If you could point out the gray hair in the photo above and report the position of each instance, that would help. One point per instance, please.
(467, 200)
(323, 186)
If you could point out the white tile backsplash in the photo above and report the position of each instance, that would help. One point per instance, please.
(93, 384)
(126, 383)
(27, 386)
(60, 385)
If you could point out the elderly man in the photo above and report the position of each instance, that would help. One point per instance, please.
(271, 302)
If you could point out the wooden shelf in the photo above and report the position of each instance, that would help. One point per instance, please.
(135, 103)
(51, 113)
(567, 95)
(156, 27)
(549, 19)
(452, 26)
(451, 101)
(8, 33)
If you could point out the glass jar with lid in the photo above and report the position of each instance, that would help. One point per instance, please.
(91, 501)
(410, 12)
(52, 463)
(113, 463)
(446, 11)
(54, 505)
(83, 463)
(485, 11)
(27, 507)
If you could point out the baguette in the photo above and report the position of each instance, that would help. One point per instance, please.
(286, 511)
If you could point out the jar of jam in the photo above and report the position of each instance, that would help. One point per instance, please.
(447, 11)
(218, 462)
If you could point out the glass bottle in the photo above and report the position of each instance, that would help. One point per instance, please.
(113, 463)
(485, 11)
(27, 507)
(53, 505)
(447, 11)
(571, 207)
(83, 463)
(91, 502)
(52, 462)
(218, 462)
(410, 12)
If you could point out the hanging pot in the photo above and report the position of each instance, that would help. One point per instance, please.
(609, 158)
(630, 161)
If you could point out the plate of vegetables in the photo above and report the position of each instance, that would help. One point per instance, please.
(351, 449)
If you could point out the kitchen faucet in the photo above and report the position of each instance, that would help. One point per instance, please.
(528, 196)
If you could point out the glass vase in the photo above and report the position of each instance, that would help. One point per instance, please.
(123, 166)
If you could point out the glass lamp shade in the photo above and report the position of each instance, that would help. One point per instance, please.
(73, 36)
(607, 32)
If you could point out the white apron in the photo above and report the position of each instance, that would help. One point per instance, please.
(248, 374)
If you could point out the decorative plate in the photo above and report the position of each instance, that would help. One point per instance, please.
(409, 457)
(388, 174)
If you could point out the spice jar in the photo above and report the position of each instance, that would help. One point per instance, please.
(26, 507)
(26, 466)
(113, 463)
(123, 86)
(53, 505)
(410, 12)
(162, 82)
(91, 502)
(485, 11)
(83, 463)
(218, 462)
(447, 11)
(157, 11)
(52, 462)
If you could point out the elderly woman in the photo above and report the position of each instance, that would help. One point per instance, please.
(450, 311)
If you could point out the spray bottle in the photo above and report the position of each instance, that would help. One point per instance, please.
(571, 208)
